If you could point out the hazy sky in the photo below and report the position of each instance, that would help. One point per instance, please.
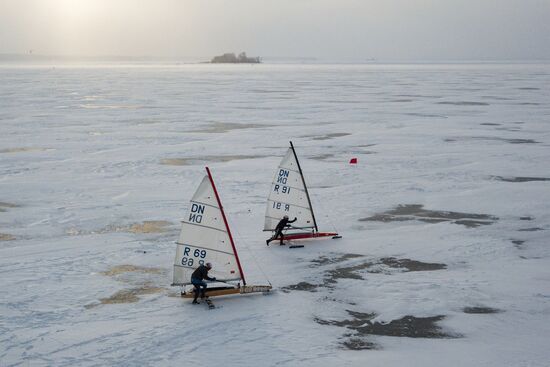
(357, 29)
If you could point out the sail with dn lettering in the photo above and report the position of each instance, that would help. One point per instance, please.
(289, 196)
(205, 237)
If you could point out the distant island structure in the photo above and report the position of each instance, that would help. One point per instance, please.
(231, 58)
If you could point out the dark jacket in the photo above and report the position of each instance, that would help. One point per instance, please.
(283, 223)
(201, 273)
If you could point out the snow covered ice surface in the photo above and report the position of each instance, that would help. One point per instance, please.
(444, 258)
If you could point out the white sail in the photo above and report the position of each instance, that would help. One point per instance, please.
(288, 196)
(205, 238)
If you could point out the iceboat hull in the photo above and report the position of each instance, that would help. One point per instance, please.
(310, 236)
(225, 291)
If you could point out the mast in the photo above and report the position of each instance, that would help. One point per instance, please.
(227, 224)
(305, 187)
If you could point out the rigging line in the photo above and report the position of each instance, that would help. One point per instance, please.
(247, 246)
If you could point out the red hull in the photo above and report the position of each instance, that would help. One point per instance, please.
(307, 236)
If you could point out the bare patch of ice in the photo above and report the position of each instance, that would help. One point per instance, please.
(480, 310)
(464, 103)
(127, 296)
(407, 212)
(407, 326)
(520, 179)
(6, 237)
(302, 286)
(327, 136)
(4, 205)
(23, 149)
(126, 268)
(207, 158)
(148, 226)
(223, 127)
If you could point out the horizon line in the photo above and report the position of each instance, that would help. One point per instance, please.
(206, 59)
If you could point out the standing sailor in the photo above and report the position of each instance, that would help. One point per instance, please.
(283, 223)
(197, 279)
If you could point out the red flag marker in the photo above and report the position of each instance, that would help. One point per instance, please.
(353, 161)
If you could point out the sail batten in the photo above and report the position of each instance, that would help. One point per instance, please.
(213, 228)
(201, 203)
(205, 248)
(289, 168)
(299, 188)
(299, 206)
